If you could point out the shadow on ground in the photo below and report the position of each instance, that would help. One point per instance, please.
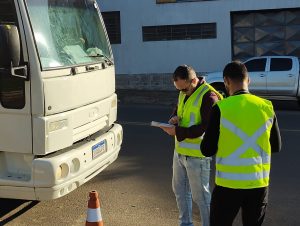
(13, 208)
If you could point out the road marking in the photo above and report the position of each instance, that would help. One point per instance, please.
(135, 123)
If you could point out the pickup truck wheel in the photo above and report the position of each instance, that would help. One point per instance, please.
(221, 89)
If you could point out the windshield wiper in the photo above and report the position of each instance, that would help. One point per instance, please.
(102, 55)
(107, 58)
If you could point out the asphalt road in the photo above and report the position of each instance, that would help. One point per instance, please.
(136, 189)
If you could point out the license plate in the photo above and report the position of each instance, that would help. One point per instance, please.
(98, 149)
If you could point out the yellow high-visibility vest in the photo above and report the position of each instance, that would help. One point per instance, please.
(243, 159)
(189, 115)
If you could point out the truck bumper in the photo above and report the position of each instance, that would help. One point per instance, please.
(58, 174)
(74, 167)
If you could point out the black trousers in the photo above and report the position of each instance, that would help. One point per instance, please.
(226, 203)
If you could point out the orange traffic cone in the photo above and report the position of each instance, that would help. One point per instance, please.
(94, 217)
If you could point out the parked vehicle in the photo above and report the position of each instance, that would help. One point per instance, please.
(272, 77)
(57, 97)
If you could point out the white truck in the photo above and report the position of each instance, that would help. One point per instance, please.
(272, 77)
(58, 105)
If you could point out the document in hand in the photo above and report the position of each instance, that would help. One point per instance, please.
(161, 124)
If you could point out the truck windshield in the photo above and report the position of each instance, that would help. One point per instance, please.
(68, 32)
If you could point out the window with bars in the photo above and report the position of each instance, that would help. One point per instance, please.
(180, 32)
(112, 23)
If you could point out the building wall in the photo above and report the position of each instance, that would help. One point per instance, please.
(135, 57)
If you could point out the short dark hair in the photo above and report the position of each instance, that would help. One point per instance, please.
(236, 71)
(184, 72)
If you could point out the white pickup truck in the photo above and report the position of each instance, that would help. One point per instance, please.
(272, 77)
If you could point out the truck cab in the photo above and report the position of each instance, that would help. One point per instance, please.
(58, 105)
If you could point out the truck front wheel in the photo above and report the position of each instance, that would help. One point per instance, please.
(221, 89)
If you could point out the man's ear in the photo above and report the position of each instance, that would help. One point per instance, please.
(225, 80)
(248, 80)
(194, 80)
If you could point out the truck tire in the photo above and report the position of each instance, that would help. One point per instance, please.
(221, 89)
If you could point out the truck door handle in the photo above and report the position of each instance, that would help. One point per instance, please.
(291, 75)
(262, 75)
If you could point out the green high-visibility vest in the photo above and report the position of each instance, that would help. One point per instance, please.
(243, 159)
(189, 115)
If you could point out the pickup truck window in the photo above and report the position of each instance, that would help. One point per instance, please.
(281, 64)
(256, 65)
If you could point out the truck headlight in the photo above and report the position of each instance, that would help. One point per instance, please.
(62, 171)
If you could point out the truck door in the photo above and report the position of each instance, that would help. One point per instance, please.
(258, 76)
(15, 113)
(282, 77)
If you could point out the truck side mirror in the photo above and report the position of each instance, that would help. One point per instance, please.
(10, 49)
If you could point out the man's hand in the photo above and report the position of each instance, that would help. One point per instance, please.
(174, 120)
(169, 130)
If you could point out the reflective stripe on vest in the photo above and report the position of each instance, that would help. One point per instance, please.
(187, 145)
(249, 142)
(195, 104)
(204, 90)
(235, 160)
(245, 176)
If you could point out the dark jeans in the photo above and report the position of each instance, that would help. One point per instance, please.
(226, 202)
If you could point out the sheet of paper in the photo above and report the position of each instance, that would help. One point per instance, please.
(158, 124)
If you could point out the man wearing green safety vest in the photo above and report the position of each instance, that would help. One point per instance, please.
(191, 169)
(242, 132)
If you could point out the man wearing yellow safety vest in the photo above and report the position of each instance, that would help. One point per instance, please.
(191, 169)
(242, 132)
